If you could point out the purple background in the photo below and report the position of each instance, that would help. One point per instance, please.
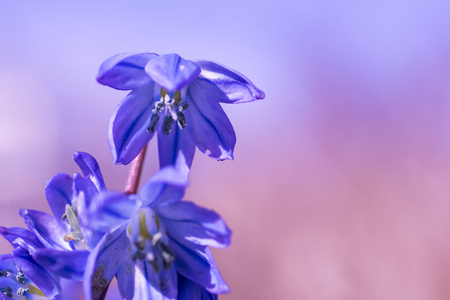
(340, 188)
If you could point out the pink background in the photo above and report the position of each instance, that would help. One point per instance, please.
(340, 188)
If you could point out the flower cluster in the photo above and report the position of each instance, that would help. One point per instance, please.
(155, 243)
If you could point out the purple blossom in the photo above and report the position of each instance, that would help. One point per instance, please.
(157, 245)
(51, 247)
(179, 99)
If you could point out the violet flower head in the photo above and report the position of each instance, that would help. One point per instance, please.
(55, 246)
(179, 99)
(157, 245)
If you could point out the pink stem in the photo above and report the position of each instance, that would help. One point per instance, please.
(134, 175)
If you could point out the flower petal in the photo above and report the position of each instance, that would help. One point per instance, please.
(85, 192)
(91, 237)
(90, 169)
(125, 71)
(138, 280)
(197, 264)
(176, 148)
(49, 230)
(163, 284)
(83, 186)
(186, 222)
(127, 130)
(7, 262)
(172, 72)
(235, 87)
(111, 210)
(38, 275)
(58, 191)
(103, 262)
(67, 264)
(13, 233)
(208, 124)
(166, 186)
(189, 290)
(126, 275)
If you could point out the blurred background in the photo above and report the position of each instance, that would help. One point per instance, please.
(340, 187)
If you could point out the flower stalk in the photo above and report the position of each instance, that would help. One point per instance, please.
(134, 175)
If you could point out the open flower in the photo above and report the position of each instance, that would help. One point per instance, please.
(177, 98)
(158, 245)
(54, 246)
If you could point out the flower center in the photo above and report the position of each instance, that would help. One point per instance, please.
(173, 108)
(149, 240)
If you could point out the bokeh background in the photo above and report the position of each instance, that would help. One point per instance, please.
(340, 187)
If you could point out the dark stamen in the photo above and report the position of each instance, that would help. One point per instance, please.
(138, 255)
(167, 259)
(153, 121)
(7, 291)
(5, 273)
(140, 243)
(21, 291)
(167, 124)
(20, 277)
(181, 119)
(183, 105)
(166, 265)
(165, 248)
(155, 265)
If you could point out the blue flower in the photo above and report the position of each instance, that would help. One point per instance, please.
(157, 245)
(168, 89)
(52, 247)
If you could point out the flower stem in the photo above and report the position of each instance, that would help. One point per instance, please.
(134, 175)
